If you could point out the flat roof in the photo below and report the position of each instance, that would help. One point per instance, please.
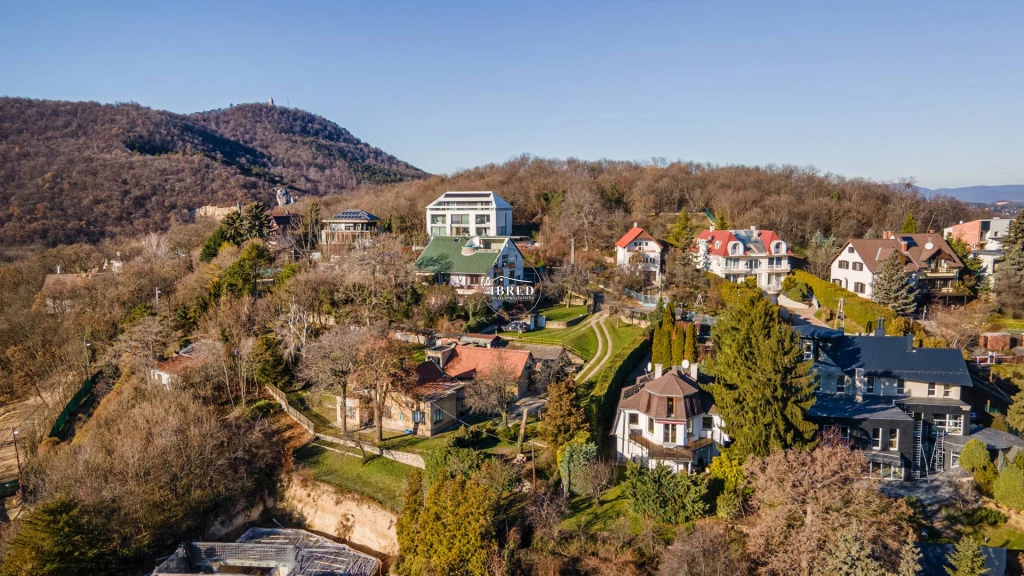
(846, 406)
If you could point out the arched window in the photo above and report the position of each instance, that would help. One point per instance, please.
(735, 248)
(779, 248)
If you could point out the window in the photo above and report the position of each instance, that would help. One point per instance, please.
(876, 438)
(850, 250)
(437, 218)
(707, 423)
(858, 266)
(931, 388)
(841, 384)
(418, 417)
(735, 248)
(634, 419)
(481, 231)
(808, 350)
(717, 244)
(858, 287)
(947, 390)
(460, 218)
(901, 387)
(460, 230)
(843, 264)
(671, 407)
(650, 425)
(501, 231)
(837, 281)
(401, 416)
(437, 231)
(386, 412)
(844, 433)
(894, 439)
(871, 385)
(949, 423)
(438, 415)
(954, 459)
(668, 433)
(779, 248)
(483, 218)
(351, 413)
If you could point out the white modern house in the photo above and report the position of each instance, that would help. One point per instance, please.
(469, 214)
(666, 418)
(639, 251)
(740, 254)
(928, 260)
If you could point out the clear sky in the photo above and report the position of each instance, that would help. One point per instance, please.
(885, 90)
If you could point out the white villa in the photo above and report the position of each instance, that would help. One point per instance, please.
(469, 214)
(637, 250)
(928, 260)
(665, 418)
(472, 264)
(740, 254)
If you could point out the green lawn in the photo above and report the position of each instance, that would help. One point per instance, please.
(419, 353)
(1007, 324)
(1000, 536)
(561, 313)
(581, 338)
(379, 479)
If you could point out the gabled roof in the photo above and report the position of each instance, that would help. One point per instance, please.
(353, 214)
(432, 383)
(469, 362)
(920, 248)
(650, 396)
(896, 357)
(635, 233)
(753, 242)
(461, 254)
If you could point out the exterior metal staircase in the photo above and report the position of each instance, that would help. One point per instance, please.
(916, 470)
(938, 452)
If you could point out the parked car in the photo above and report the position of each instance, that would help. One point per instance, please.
(516, 326)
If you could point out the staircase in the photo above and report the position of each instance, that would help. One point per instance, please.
(938, 453)
(916, 471)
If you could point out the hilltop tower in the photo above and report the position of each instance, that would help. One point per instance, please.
(270, 102)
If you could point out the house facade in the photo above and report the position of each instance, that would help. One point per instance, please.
(897, 403)
(928, 260)
(469, 214)
(467, 363)
(434, 405)
(472, 264)
(980, 234)
(666, 418)
(740, 254)
(638, 251)
(347, 228)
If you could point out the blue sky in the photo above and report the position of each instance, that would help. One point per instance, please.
(883, 90)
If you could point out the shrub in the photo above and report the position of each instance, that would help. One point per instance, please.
(467, 437)
(982, 515)
(663, 495)
(728, 505)
(1008, 488)
(984, 478)
(262, 408)
(974, 456)
(860, 310)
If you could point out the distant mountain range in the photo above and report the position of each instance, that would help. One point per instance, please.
(84, 171)
(981, 194)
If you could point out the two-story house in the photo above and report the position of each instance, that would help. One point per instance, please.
(469, 214)
(349, 227)
(928, 260)
(666, 418)
(896, 402)
(739, 254)
(472, 264)
(985, 239)
(638, 251)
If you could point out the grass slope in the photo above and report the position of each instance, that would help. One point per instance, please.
(380, 479)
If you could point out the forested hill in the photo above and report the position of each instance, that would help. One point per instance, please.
(83, 171)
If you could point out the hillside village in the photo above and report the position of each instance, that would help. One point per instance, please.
(459, 401)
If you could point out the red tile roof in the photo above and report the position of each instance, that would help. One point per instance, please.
(179, 364)
(634, 233)
(476, 362)
(754, 242)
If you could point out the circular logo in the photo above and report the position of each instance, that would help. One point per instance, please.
(517, 296)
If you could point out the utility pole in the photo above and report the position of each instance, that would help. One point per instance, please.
(17, 456)
(157, 305)
(572, 251)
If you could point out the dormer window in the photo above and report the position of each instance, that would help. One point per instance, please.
(735, 248)
(779, 248)
(717, 244)
(671, 407)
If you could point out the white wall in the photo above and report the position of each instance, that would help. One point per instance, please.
(849, 276)
(500, 221)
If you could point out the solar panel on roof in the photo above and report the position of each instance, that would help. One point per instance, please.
(469, 194)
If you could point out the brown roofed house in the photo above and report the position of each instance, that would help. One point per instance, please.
(927, 258)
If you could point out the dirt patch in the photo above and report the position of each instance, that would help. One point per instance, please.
(327, 509)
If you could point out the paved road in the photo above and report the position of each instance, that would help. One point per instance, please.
(797, 313)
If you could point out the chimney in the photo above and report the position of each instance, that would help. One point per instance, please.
(880, 327)
(910, 342)
(886, 234)
(657, 370)
(634, 225)
(693, 370)
(903, 244)
(753, 228)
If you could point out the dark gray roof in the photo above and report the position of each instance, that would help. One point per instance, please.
(846, 406)
(355, 214)
(933, 559)
(816, 332)
(895, 357)
(993, 439)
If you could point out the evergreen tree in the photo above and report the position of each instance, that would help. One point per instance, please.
(563, 415)
(233, 229)
(678, 346)
(967, 559)
(970, 275)
(893, 288)
(212, 245)
(1015, 414)
(312, 223)
(909, 225)
(269, 364)
(1008, 489)
(1008, 283)
(681, 234)
(57, 538)
(763, 387)
(256, 223)
(407, 527)
(910, 559)
(690, 345)
(664, 495)
(662, 352)
(851, 556)
(721, 221)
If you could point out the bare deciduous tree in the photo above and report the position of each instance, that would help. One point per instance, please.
(329, 363)
(704, 551)
(494, 391)
(383, 371)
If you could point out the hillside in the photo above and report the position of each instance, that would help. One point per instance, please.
(84, 171)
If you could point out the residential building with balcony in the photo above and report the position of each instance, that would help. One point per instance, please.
(472, 264)
(927, 258)
(980, 234)
(897, 403)
(346, 229)
(740, 254)
(665, 417)
(469, 214)
(638, 251)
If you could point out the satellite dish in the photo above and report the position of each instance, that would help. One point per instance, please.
(686, 364)
(929, 246)
(649, 367)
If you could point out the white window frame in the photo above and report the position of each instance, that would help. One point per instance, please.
(894, 438)
(931, 389)
(876, 438)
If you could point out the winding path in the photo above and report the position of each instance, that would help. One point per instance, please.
(604, 348)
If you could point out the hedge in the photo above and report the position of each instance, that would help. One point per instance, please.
(861, 311)
(604, 397)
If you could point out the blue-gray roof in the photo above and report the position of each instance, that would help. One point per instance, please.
(816, 332)
(355, 214)
(846, 406)
(896, 357)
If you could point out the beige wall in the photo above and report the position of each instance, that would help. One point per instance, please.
(883, 386)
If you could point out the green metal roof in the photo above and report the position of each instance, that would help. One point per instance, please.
(444, 255)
